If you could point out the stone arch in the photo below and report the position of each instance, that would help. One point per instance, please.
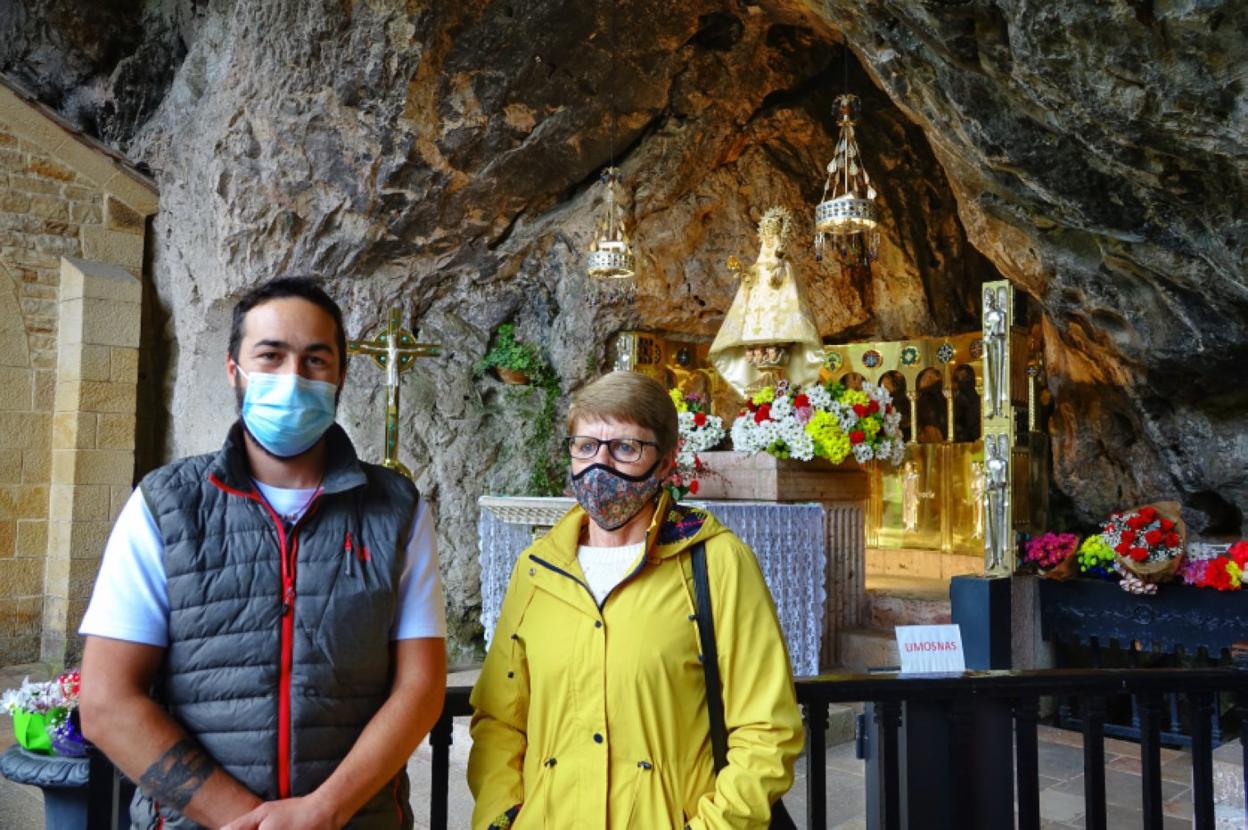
(851, 380)
(966, 417)
(931, 413)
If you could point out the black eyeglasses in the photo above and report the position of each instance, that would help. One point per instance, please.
(624, 450)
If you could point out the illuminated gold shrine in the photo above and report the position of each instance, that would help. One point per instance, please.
(935, 499)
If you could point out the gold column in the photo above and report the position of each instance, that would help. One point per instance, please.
(1032, 371)
(948, 390)
(913, 395)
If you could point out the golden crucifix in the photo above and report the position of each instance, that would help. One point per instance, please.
(394, 350)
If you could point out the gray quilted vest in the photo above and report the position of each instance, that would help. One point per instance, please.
(279, 636)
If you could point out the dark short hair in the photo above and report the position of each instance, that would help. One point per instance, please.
(303, 287)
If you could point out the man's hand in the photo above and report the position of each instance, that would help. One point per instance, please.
(296, 813)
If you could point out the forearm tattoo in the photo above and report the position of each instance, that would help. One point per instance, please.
(178, 774)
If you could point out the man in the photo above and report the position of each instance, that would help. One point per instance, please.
(266, 639)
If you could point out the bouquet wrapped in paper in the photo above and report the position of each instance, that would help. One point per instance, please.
(1148, 542)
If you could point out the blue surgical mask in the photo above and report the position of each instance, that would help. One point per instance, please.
(287, 414)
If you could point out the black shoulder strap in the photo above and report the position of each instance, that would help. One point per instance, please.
(710, 657)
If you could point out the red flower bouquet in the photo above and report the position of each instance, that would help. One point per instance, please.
(1147, 541)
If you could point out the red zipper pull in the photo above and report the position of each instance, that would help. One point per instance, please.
(288, 600)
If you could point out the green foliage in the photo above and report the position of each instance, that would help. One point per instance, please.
(546, 474)
(509, 353)
(545, 469)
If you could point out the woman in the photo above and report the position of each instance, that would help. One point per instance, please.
(590, 711)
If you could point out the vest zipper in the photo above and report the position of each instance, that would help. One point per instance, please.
(288, 549)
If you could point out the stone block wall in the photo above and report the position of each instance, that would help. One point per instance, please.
(92, 441)
(72, 233)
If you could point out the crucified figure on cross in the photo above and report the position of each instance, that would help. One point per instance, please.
(395, 350)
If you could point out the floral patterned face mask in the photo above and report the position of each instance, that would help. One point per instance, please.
(611, 497)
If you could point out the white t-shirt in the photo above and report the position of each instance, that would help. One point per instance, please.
(606, 567)
(131, 601)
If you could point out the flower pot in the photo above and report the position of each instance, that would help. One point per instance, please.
(31, 731)
(64, 782)
(511, 376)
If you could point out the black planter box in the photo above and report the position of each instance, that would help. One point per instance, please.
(1177, 618)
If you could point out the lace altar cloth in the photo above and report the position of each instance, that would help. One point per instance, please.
(789, 541)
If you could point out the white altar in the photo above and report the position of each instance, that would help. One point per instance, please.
(791, 540)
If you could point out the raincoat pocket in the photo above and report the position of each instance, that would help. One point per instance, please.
(538, 804)
(651, 805)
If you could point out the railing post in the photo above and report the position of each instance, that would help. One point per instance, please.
(1149, 707)
(967, 799)
(1201, 707)
(1094, 761)
(440, 744)
(816, 716)
(1026, 713)
(889, 713)
(1241, 708)
(102, 792)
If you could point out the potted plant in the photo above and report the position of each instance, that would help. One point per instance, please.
(39, 709)
(50, 752)
(511, 360)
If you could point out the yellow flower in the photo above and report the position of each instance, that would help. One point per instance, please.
(852, 396)
(765, 395)
(830, 442)
(678, 400)
(871, 426)
(1235, 572)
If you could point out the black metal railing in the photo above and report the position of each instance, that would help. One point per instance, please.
(1022, 692)
(964, 694)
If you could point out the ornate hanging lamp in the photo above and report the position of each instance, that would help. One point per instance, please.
(611, 253)
(847, 212)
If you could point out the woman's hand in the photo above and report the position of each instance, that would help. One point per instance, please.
(295, 813)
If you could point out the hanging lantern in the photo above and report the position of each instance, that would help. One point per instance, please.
(611, 254)
(847, 212)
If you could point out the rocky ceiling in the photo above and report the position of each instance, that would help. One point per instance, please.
(442, 155)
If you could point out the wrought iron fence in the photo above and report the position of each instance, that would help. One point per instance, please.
(1018, 691)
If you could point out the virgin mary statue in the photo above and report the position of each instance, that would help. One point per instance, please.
(769, 332)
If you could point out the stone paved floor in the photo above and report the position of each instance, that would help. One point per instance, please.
(1061, 771)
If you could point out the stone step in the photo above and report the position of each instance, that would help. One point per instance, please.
(867, 648)
(898, 600)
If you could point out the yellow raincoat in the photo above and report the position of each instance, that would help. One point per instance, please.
(596, 718)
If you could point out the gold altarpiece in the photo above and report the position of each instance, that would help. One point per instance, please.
(936, 499)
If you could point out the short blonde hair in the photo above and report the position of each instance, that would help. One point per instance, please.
(632, 397)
